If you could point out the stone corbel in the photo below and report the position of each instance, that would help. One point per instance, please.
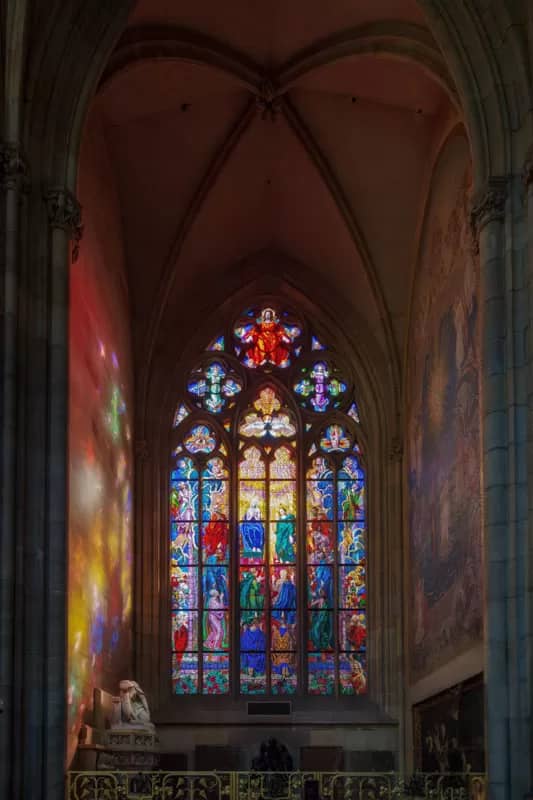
(14, 172)
(64, 212)
(490, 207)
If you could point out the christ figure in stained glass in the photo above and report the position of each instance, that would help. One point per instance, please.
(268, 341)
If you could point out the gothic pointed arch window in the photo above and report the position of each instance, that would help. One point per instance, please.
(267, 545)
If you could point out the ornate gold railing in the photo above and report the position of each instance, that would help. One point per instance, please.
(103, 785)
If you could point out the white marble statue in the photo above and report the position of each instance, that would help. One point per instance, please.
(130, 710)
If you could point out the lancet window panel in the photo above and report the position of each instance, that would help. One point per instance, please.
(267, 517)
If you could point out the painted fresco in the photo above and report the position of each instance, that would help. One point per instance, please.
(100, 508)
(444, 428)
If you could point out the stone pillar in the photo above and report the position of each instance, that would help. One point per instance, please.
(499, 225)
(488, 221)
(528, 557)
(64, 214)
(13, 182)
(33, 589)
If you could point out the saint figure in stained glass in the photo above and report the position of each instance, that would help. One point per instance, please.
(253, 529)
(215, 622)
(284, 591)
(213, 387)
(318, 390)
(215, 533)
(285, 536)
(267, 340)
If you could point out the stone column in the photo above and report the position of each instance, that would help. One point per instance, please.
(499, 224)
(13, 180)
(528, 557)
(64, 214)
(33, 537)
(488, 221)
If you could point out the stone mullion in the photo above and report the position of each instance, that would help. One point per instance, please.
(488, 218)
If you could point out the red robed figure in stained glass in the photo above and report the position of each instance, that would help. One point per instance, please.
(181, 637)
(269, 341)
(215, 531)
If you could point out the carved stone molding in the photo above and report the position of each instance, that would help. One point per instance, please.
(490, 207)
(64, 212)
(14, 173)
(268, 100)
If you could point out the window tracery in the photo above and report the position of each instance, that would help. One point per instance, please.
(267, 518)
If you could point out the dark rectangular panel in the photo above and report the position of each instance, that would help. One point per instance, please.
(269, 708)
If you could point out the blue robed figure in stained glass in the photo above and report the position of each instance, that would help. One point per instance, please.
(253, 529)
(253, 647)
(284, 606)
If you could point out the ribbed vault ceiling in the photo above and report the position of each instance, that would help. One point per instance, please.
(303, 128)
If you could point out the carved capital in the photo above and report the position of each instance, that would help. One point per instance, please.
(64, 212)
(396, 449)
(490, 207)
(268, 100)
(14, 173)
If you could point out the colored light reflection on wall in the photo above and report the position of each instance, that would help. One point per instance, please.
(100, 505)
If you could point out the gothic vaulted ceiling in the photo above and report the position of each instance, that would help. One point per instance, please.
(302, 129)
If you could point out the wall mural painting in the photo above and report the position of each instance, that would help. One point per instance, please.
(444, 432)
(100, 502)
(449, 730)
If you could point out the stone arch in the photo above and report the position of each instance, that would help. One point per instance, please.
(374, 389)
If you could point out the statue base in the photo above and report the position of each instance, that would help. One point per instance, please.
(129, 748)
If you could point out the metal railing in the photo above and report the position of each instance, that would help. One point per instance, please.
(158, 785)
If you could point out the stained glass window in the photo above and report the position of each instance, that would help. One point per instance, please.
(266, 339)
(214, 386)
(182, 412)
(336, 579)
(318, 388)
(199, 576)
(267, 518)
